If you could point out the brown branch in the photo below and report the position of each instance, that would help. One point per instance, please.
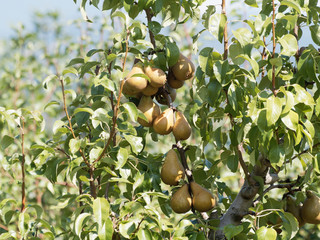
(23, 187)
(244, 166)
(181, 151)
(273, 48)
(149, 17)
(91, 169)
(116, 108)
(225, 31)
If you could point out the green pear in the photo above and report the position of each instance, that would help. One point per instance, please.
(181, 129)
(202, 199)
(294, 209)
(163, 124)
(181, 200)
(183, 69)
(157, 77)
(135, 84)
(173, 82)
(150, 109)
(149, 90)
(310, 211)
(172, 170)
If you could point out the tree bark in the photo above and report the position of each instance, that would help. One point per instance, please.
(243, 201)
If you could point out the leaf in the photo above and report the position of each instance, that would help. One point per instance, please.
(75, 61)
(122, 157)
(155, 27)
(87, 66)
(79, 222)
(144, 234)
(205, 60)
(243, 35)
(94, 51)
(217, 24)
(6, 141)
(265, 233)
(291, 4)
(231, 230)
(274, 108)
(291, 120)
(289, 45)
(88, 110)
(232, 163)
(315, 33)
(172, 53)
(252, 3)
(101, 212)
(135, 143)
(74, 145)
(132, 110)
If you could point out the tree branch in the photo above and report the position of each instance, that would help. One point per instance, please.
(225, 31)
(273, 48)
(23, 186)
(149, 17)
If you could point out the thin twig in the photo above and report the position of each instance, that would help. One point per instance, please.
(149, 17)
(304, 151)
(116, 108)
(225, 31)
(243, 165)
(273, 48)
(23, 187)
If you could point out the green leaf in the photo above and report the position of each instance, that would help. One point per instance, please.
(101, 212)
(232, 163)
(155, 27)
(88, 110)
(70, 70)
(291, 4)
(289, 45)
(265, 233)
(132, 110)
(94, 51)
(315, 33)
(274, 108)
(122, 157)
(231, 230)
(74, 145)
(217, 24)
(23, 223)
(144, 234)
(291, 120)
(75, 61)
(205, 60)
(6, 141)
(79, 223)
(252, 3)
(85, 68)
(172, 53)
(135, 143)
(243, 35)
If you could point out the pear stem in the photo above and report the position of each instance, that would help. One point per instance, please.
(184, 161)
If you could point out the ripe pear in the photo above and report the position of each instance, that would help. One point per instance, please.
(173, 82)
(294, 209)
(150, 109)
(181, 200)
(135, 84)
(149, 90)
(181, 129)
(163, 124)
(183, 69)
(172, 170)
(202, 199)
(310, 211)
(157, 77)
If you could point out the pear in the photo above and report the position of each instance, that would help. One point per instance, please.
(173, 82)
(183, 69)
(163, 124)
(157, 77)
(163, 100)
(150, 109)
(135, 84)
(181, 129)
(149, 90)
(294, 209)
(310, 211)
(202, 199)
(172, 170)
(181, 200)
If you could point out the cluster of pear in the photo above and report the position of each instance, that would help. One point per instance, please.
(171, 173)
(137, 85)
(308, 212)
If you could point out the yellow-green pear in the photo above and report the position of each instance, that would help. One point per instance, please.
(294, 209)
(181, 200)
(150, 109)
(157, 77)
(310, 211)
(172, 170)
(135, 84)
(173, 82)
(202, 199)
(149, 90)
(183, 69)
(181, 129)
(163, 124)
